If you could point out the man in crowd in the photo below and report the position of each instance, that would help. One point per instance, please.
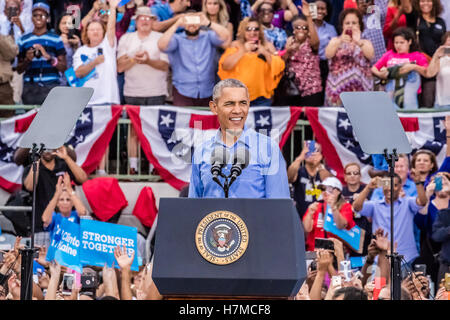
(265, 176)
(41, 56)
(145, 68)
(15, 22)
(8, 51)
(168, 13)
(405, 208)
(306, 178)
(50, 167)
(374, 15)
(191, 56)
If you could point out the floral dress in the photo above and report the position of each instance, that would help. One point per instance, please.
(349, 71)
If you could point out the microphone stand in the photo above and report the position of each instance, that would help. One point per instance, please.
(26, 279)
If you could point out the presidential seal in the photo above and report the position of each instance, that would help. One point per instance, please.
(221, 237)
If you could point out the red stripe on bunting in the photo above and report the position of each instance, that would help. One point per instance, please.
(8, 185)
(295, 114)
(410, 124)
(98, 149)
(134, 115)
(328, 150)
(22, 125)
(207, 122)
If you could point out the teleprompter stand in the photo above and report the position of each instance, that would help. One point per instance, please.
(48, 131)
(368, 113)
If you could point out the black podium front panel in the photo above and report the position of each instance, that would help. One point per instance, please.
(272, 265)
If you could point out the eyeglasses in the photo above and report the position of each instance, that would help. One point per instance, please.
(301, 27)
(146, 18)
(353, 173)
(252, 29)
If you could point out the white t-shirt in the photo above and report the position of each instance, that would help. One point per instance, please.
(442, 81)
(142, 80)
(104, 82)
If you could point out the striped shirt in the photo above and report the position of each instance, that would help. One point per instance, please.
(40, 69)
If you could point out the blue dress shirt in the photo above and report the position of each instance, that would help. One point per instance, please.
(192, 62)
(265, 176)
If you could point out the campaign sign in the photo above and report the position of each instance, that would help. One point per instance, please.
(353, 237)
(99, 239)
(65, 245)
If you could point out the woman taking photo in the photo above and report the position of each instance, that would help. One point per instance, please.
(252, 60)
(349, 59)
(96, 59)
(440, 66)
(395, 18)
(334, 202)
(216, 11)
(275, 35)
(302, 59)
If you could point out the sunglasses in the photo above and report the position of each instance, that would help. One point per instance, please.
(146, 18)
(37, 15)
(353, 173)
(252, 29)
(301, 27)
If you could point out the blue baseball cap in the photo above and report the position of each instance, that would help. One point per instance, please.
(42, 6)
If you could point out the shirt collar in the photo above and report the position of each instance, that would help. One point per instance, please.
(242, 138)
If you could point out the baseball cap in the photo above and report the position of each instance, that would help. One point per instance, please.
(42, 6)
(143, 11)
(332, 182)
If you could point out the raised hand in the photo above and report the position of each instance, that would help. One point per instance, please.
(122, 257)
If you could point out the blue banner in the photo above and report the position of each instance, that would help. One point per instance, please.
(65, 245)
(353, 237)
(99, 239)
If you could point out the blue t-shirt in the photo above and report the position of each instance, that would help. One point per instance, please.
(40, 69)
(162, 10)
(57, 219)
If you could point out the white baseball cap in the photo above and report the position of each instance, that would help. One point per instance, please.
(332, 182)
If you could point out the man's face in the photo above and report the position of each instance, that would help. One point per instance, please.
(48, 156)
(144, 23)
(352, 175)
(363, 5)
(397, 188)
(401, 168)
(231, 109)
(39, 18)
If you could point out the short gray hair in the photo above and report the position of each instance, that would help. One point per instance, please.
(227, 83)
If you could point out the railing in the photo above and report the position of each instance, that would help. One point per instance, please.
(117, 162)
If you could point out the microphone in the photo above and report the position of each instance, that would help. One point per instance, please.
(219, 158)
(241, 160)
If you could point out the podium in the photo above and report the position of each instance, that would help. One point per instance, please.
(228, 249)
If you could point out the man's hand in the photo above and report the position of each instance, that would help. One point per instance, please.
(39, 47)
(17, 22)
(30, 54)
(373, 184)
(61, 152)
(142, 57)
(122, 257)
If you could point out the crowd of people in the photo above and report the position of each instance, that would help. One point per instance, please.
(287, 53)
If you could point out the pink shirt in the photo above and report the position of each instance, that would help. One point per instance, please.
(391, 58)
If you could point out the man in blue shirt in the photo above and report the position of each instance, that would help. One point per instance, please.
(264, 177)
(168, 13)
(41, 56)
(191, 56)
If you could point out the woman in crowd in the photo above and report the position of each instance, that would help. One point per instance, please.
(423, 17)
(349, 59)
(440, 65)
(252, 60)
(402, 67)
(95, 61)
(424, 163)
(334, 202)
(284, 11)
(326, 32)
(275, 35)
(395, 18)
(61, 206)
(301, 58)
(71, 40)
(216, 11)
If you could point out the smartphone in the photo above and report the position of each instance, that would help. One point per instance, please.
(438, 183)
(420, 268)
(68, 280)
(384, 182)
(313, 265)
(311, 147)
(321, 243)
(192, 19)
(71, 34)
(349, 32)
(12, 12)
(313, 10)
(447, 282)
(88, 284)
(336, 281)
(99, 51)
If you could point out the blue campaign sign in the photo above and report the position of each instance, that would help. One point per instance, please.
(99, 239)
(65, 245)
(353, 237)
